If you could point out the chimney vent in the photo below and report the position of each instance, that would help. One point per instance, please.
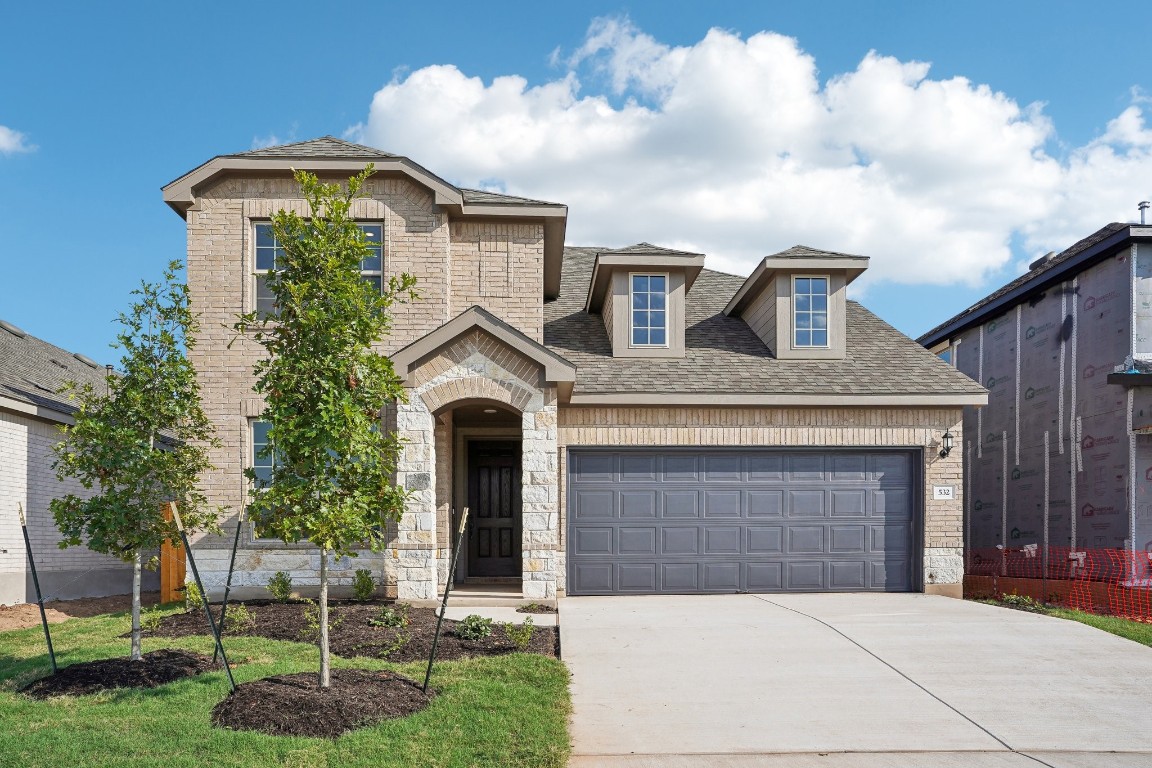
(1143, 206)
(1042, 260)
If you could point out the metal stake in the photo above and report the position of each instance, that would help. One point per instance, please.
(36, 583)
(447, 589)
(203, 594)
(231, 567)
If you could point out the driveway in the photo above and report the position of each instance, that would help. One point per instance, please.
(899, 681)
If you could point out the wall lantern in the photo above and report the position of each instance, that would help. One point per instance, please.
(946, 442)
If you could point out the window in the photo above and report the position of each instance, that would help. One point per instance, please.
(262, 462)
(810, 312)
(649, 294)
(270, 254)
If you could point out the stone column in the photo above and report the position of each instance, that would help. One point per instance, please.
(540, 498)
(415, 545)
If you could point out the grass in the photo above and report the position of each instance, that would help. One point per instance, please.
(509, 710)
(1136, 631)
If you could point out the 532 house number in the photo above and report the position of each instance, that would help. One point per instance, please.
(943, 492)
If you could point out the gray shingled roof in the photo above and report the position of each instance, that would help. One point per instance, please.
(482, 196)
(33, 371)
(647, 249)
(807, 252)
(1049, 264)
(325, 146)
(724, 356)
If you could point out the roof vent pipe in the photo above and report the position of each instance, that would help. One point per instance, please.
(1143, 206)
(1042, 260)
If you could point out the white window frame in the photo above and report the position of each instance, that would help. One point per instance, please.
(258, 273)
(254, 491)
(667, 282)
(827, 312)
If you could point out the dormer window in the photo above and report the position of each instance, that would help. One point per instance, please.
(810, 312)
(270, 254)
(649, 302)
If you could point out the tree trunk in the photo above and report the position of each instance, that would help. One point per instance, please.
(325, 680)
(136, 606)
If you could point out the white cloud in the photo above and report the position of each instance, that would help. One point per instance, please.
(13, 142)
(733, 146)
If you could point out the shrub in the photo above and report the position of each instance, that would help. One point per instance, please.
(192, 597)
(520, 635)
(312, 619)
(239, 619)
(150, 619)
(1021, 602)
(473, 627)
(402, 638)
(392, 616)
(280, 587)
(363, 585)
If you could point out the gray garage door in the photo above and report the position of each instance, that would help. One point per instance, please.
(676, 522)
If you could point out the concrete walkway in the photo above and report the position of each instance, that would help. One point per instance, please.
(900, 681)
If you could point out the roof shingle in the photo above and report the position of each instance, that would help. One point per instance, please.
(33, 371)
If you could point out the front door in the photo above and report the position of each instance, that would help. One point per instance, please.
(494, 501)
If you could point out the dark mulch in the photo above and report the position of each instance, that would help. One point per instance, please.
(295, 705)
(153, 670)
(536, 608)
(352, 634)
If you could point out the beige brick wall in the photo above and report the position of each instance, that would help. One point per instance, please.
(796, 427)
(500, 267)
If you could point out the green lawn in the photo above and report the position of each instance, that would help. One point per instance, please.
(1132, 630)
(508, 711)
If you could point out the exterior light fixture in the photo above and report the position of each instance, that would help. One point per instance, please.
(946, 443)
(489, 410)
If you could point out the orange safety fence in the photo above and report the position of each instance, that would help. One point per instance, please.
(1111, 581)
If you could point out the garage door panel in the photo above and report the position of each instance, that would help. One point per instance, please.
(806, 575)
(721, 503)
(681, 504)
(680, 577)
(849, 503)
(637, 541)
(844, 539)
(636, 577)
(722, 540)
(847, 575)
(638, 504)
(725, 520)
(594, 505)
(721, 577)
(765, 503)
(806, 503)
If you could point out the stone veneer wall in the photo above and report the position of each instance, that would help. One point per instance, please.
(799, 427)
(475, 366)
(417, 240)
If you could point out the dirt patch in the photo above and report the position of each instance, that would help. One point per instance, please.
(353, 634)
(295, 705)
(25, 615)
(536, 608)
(153, 670)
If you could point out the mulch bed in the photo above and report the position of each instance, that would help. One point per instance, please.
(352, 635)
(536, 608)
(153, 670)
(295, 705)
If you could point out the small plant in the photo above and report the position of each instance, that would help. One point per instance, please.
(520, 635)
(280, 586)
(473, 627)
(1021, 602)
(192, 597)
(363, 585)
(312, 620)
(535, 608)
(402, 638)
(239, 619)
(392, 616)
(150, 619)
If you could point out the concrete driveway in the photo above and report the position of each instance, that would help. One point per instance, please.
(899, 681)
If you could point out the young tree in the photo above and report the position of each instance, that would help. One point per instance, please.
(325, 388)
(141, 442)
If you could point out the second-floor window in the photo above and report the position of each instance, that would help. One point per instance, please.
(649, 302)
(270, 253)
(810, 312)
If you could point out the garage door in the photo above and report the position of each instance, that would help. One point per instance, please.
(679, 522)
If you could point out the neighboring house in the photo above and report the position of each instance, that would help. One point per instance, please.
(617, 420)
(1061, 455)
(32, 408)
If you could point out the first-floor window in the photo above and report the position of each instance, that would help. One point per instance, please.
(269, 257)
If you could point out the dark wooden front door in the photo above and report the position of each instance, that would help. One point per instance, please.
(494, 501)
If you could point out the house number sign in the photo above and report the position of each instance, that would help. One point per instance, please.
(943, 492)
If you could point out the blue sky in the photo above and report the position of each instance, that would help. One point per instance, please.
(786, 123)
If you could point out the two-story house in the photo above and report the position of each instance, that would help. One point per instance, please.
(1062, 454)
(617, 420)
